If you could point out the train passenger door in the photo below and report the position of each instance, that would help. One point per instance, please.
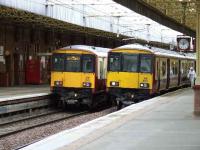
(179, 72)
(174, 66)
(163, 73)
(168, 73)
(101, 76)
(157, 74)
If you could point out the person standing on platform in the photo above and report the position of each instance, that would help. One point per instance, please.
(192, 76)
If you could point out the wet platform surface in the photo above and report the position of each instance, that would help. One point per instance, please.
(162, 123)
(23, 91)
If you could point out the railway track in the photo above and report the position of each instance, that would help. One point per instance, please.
(16, 119)
(12, 127)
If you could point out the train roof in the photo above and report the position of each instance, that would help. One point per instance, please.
(158, 51)
(99, 51)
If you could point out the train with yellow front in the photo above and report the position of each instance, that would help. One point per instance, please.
(136, 71)
(78, 75)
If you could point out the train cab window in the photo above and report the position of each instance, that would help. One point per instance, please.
(130, 62)
(72, 63)
(114, 63)
(88, 63)
(146, 63)
(58, 62)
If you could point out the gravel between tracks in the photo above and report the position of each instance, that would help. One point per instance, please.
(19, 139)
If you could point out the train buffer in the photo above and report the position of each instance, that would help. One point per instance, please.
(164, 122)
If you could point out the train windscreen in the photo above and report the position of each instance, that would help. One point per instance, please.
(72, 63)
(114, 62)
(88, 63)
(58, 62)
(146, 63)
(130, 63)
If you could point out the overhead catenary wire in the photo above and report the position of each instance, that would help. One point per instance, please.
(93, 8)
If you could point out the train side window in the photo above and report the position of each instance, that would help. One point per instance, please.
(174, 68)
(163, 71)
(183, 68)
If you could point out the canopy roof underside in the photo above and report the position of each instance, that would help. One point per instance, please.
(183, 11)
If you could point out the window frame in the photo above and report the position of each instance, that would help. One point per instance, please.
(73, 54)
(93, 61)
(53, 68)
(150, 56)
(120, 61)
(130, 54)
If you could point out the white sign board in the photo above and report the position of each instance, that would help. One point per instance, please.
(1, 50)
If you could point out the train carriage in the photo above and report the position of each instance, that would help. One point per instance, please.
(78, 75)
(136, 71)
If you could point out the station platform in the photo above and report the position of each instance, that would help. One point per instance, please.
(162, 123)
(26, 91)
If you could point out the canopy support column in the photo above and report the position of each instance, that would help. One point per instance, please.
(197, 86)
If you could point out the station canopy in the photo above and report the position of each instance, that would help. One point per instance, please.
(183, 11)
(123, 22)
(131, 23)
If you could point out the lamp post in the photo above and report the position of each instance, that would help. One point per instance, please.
(148, 32)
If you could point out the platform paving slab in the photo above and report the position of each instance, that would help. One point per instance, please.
(170, 126)
(162, 123)
(23, 91)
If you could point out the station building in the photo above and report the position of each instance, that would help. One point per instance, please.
(30, 30)
(26, 36)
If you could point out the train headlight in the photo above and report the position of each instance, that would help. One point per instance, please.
(87, 84)
(75, 94)
(58, 83)
(132, 96)
(144, 85)
(114, 83)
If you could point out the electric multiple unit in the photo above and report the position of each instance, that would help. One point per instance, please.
(136, 72)
(78, 75)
